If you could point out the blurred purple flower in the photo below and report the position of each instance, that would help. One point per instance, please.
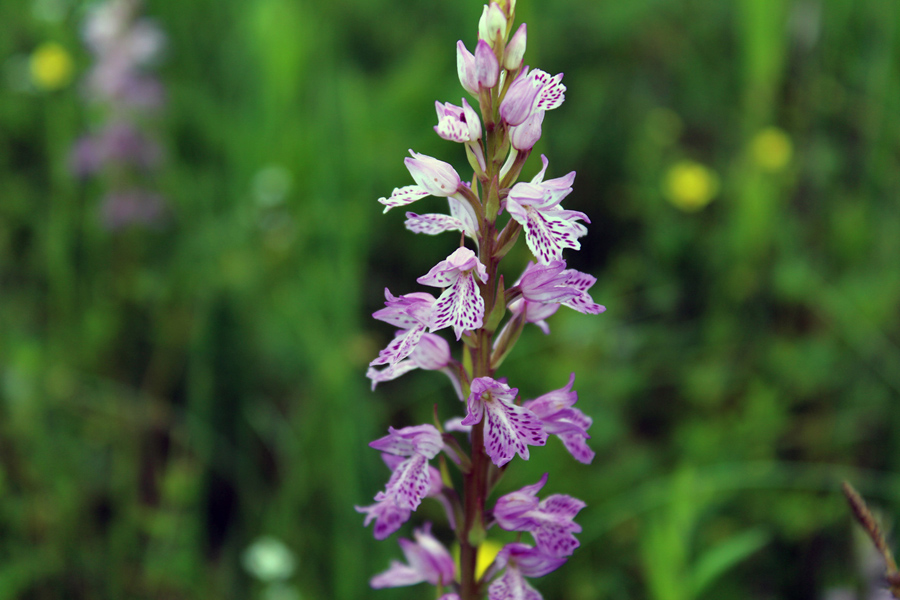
(132, 207)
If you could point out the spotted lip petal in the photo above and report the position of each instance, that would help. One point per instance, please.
(548, 232)
(400, 347)
(460, 306)
(509, 429)
(408, 484)
(403, 196)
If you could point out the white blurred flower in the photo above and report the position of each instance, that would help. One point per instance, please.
(268, 559)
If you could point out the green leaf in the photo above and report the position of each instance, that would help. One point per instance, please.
(716, 561)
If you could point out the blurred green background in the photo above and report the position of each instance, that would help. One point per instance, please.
(169, 396)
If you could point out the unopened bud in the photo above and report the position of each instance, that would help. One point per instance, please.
(487, 68)
(492, 24)
(515, 50)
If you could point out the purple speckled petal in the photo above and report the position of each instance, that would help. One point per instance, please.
(432, 224)
(408, 484)
(390, 373)
(583, 302)
(460, 306)
(387, 515)
(403, 196)
(400, 347)
(512, 510)
(424, 440)
(577, 447)
(552, 92)
(512, 586)
(509, 430)
(547, 234)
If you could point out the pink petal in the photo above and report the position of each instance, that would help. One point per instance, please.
(432, 224)
(403, 196)
(460, 306)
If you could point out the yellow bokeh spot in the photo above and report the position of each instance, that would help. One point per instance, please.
(51, 66)
(690, 186)
(771, 149)
(487, 552)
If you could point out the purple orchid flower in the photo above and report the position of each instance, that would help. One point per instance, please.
(548, 228)
(553, 283)
(531, 92)
(428, 560)
(433, 177)
(509, 428)
(519, 561)
(549, 521)
(559, 417)
(460, 305)
(432, 353)
(457, 124)
(411, 479)
(410, 312)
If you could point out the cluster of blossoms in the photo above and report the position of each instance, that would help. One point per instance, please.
(474, 302)
(125, 96)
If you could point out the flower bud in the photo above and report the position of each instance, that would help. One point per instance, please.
(492, 24)
(465, 67)
(487, 68)
(515, 50)
(435, 176)
(518, 103)
(457, 124)
(525, 135)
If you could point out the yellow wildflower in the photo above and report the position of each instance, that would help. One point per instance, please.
(771, 149)
(51, 66)
(690, 186)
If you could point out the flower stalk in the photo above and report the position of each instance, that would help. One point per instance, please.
(487, 318)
